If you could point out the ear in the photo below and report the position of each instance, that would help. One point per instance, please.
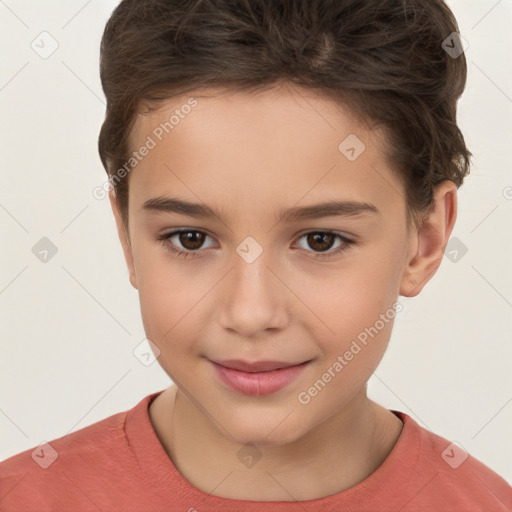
(429, 240)
(123, 237)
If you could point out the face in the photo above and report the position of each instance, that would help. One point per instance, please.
(258, 273)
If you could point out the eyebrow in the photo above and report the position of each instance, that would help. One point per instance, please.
(316, 211)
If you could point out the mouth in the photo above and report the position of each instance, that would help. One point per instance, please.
(257, 366)
(257, 378)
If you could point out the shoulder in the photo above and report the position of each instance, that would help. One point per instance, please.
(454, 477)
(71, 469)
(87, 444)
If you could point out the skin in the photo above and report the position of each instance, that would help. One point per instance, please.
(250, 155)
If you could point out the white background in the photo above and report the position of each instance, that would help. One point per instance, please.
(69, 325)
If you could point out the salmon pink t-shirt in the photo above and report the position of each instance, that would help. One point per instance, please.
(119, 464)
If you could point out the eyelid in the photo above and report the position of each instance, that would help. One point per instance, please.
(347, 242)
(342, 234)
(166, 236)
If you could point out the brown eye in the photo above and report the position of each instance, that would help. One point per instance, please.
(191, 240)
(320, 241)
(186, 243)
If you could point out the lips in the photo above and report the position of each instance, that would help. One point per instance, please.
(257, 378)
(257, 366)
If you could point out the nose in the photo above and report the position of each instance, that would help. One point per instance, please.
(252, 299)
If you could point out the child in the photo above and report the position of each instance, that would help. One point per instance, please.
(311, 148)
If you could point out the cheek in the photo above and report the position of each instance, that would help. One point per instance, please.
(353, 295)
(169, 322)
(171, 303)
(338, 304)
(355, 307)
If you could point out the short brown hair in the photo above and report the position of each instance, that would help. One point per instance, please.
(383, 59)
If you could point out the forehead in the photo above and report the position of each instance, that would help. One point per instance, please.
(280, 106)
(287, 143)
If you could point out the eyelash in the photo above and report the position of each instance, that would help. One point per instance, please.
(164, 238)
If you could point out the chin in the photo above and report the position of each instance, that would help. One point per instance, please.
(264, 431)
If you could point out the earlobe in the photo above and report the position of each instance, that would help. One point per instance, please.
(123, 237)
(431, 240)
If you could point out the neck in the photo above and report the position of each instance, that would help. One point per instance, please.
(335, 455)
